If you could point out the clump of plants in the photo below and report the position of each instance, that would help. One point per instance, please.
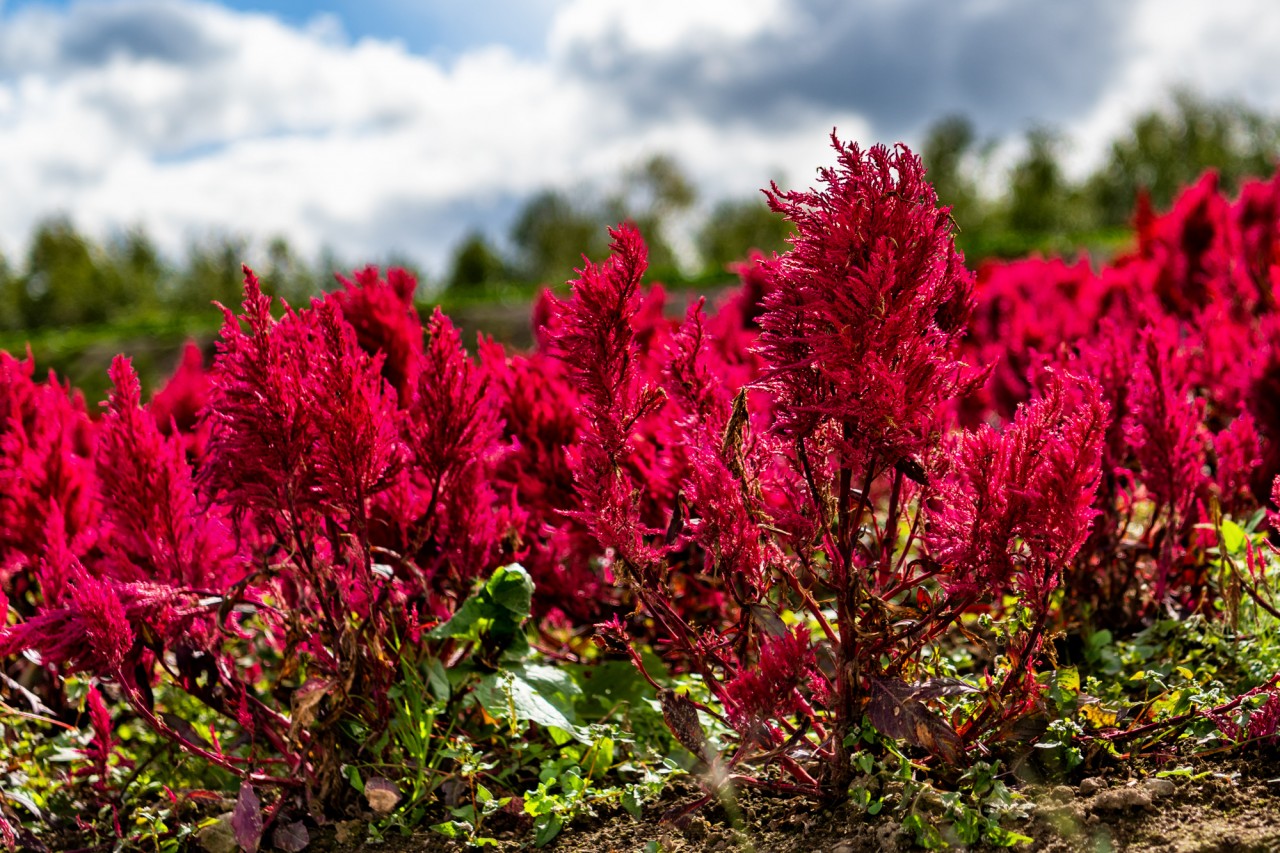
(874, 524)
(850, 531)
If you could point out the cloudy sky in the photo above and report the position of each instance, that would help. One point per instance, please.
(379, 126)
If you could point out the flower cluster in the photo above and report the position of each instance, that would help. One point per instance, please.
(795, 496)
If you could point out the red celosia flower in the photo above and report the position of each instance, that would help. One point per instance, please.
(1255, 215)
(1165, 423)
(1238, 453)
(1274, 516)
(453, 416)
(1015, 506)
(768, 690)
(385, 320)
(864, 310)
(88, 632)
(596, 341)
(177, 405)
(45, 467)
(357, 451)
(1193, 249)
(152, 527)
(103, 743)
(300, 418)
(595, 338)
(454, 435)
(262, 428)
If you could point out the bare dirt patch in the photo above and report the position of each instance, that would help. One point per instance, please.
(1226, 805)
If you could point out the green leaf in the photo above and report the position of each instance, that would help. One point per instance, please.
(449, 829)
(512, 588)
(548, 830)
(926, 834)
(438, 680)
(633, 801)
(1233, 536)
(534, 694)
(497, 610)
(1002, 837)
(599, 758)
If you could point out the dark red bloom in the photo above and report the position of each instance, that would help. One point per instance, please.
(768, 690)
(153, 528)
(1015, 506)
(177, 405)
(385, 321)
(862, 315)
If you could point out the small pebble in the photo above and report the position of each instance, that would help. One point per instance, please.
(1062, 793)
(348, 831)
(1160, 787)
(1118, 799)
(1091, 786)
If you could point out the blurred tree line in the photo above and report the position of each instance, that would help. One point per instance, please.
(69, 280)
(1036, 207)
(1027, 205)
(1002, 207)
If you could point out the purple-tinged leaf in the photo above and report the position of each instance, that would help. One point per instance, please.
(381, 794)
(291, 837)
(896, 710)
(246, 819)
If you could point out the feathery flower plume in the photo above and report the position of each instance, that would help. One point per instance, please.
(152, 527)
(385, 321)
(863, 312)
(1015, 506)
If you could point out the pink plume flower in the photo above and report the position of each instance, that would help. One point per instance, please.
(88, 632)
(300, 418)
(1015, 506)
(595, 337)
(864, 311)
(153, 528)
(767, 691)
(46, 471)
(1165, 422)
(177, 405)
(385, 321)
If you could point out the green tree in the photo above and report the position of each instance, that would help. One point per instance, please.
(651, 195)
(1166, 149)
(136, 268)
(212, 274)
(287, 275)
(475, 263)
(66, 282)
(953, 157)
(10, 316)
(551, 234)
(735, 227)
(1040, 199)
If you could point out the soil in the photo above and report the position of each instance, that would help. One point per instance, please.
(1233, 805)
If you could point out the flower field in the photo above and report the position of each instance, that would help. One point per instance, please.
(876, 532)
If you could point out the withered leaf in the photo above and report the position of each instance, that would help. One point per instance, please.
(898, 710)
(246, 819)
(681, 717)
(304, 702)
(381, 794)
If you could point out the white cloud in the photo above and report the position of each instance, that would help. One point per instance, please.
(1220, 50)
(184, 116)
